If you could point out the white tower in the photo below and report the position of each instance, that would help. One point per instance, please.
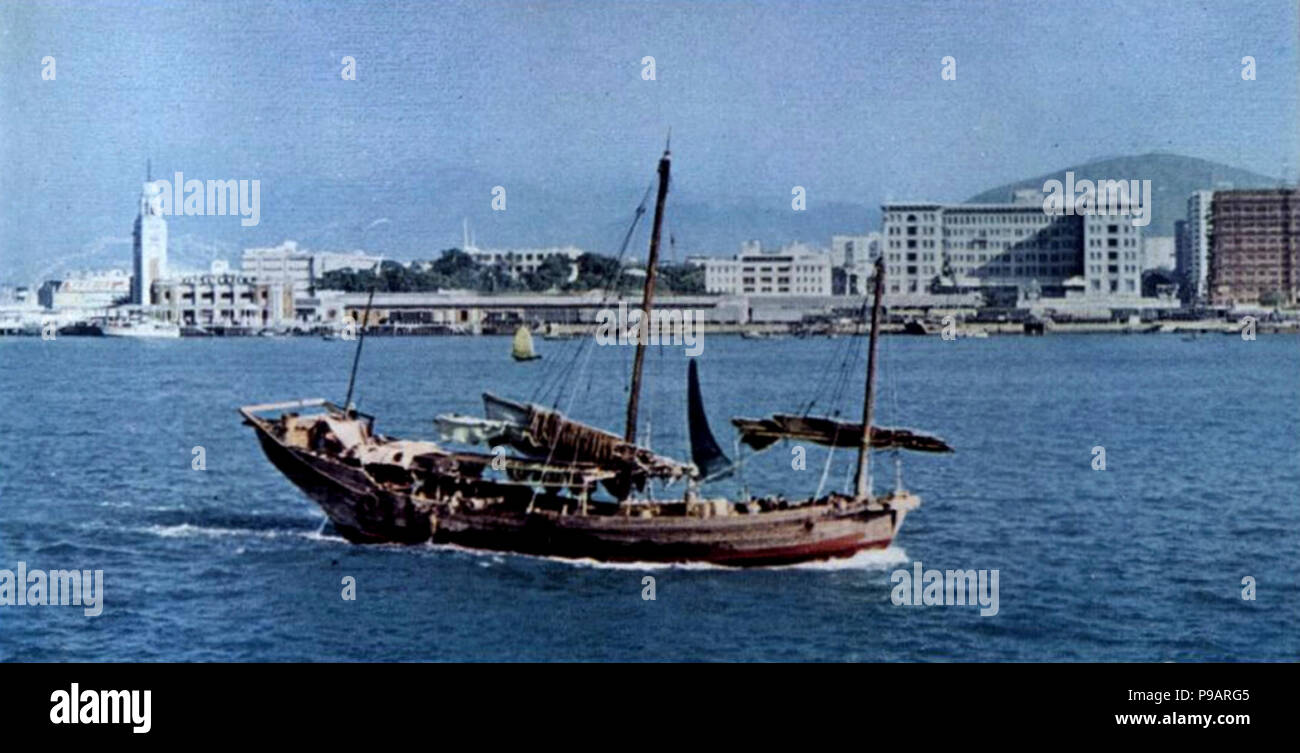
(150, 245)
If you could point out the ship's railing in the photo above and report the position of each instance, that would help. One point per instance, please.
(287, 405)
(247, 411)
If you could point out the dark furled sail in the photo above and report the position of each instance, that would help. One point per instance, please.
(760, 433)
(541, 433)
(705, 452)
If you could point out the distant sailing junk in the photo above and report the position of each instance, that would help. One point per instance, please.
(546, 498)
(522, 347)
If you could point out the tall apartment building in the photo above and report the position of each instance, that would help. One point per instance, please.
(1182, 254)
(1016, 244)
(1254, 254)
(796, 269)
(1193, 237)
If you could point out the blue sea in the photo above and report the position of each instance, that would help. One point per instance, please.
(1143, 560)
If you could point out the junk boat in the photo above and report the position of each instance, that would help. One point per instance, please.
(521, 348)
(545, 499)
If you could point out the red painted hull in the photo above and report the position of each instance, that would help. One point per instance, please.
(364, 511)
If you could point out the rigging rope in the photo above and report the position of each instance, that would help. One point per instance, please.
(560, 378)
(585, 350)
(826, 469)
(838, 377)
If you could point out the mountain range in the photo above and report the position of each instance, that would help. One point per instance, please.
(1173, 178)
(417, 213)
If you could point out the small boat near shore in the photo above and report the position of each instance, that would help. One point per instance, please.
(141, 328)
(521, 348)
(554, 333)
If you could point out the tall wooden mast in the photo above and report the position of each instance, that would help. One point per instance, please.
(864, 451)
(356, 358)
(643, 328)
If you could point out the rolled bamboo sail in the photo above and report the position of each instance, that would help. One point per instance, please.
(559, 439)
(761, 433)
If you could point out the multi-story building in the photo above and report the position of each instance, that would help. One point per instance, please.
(300, 268)
(224, 299)
(1193, 236)
(149, 250)
(929, 245)
(521, 261)
(855, 254)
(283, 263)
(796, 269)
(88, 290)
(1182, 255)
(1254, 252)
(19, 311)
(1159, 252)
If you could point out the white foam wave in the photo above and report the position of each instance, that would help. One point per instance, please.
(186, 530)
(147, 508)
(320, 536)
(867, 559)
(874, 559)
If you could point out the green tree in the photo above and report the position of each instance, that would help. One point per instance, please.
(455, 269)
(551, 273)
(455, 264)
(683, 279)
(497, 279)
(596, 271)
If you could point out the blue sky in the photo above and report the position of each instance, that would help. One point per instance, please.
(844, 99)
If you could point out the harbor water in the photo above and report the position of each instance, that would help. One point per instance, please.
(1142, 560)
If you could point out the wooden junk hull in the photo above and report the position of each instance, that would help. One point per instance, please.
(365, 512)
(360, 512)
(774, 538)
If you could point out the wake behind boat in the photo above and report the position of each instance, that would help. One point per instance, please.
(573, 490)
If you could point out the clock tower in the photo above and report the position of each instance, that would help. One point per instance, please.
(150, 248)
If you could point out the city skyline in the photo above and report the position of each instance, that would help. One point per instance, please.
(365, 332)
(240, 91)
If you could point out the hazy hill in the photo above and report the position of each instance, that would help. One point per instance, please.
(417, 212)
(1173, 178)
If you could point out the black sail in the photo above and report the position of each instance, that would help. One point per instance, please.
(705, 452)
